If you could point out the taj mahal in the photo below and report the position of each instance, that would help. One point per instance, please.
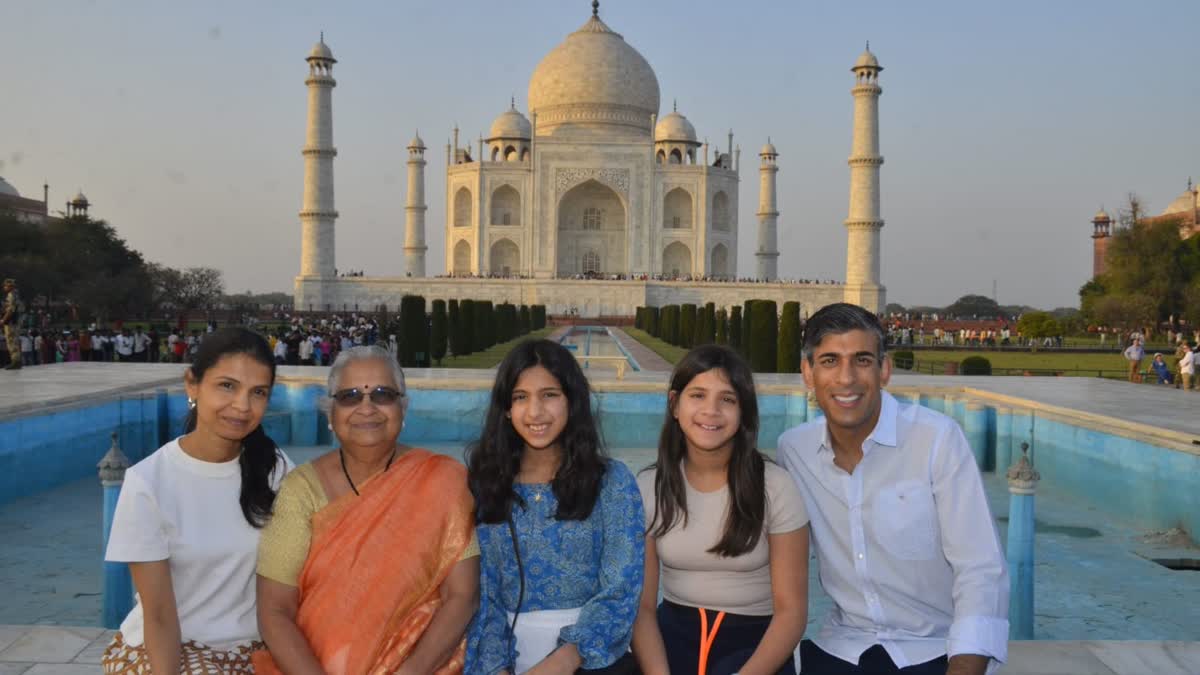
(592, 204)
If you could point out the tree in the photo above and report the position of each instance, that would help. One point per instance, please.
(414, 333)
(1038, 325)
(524, 320)
(454, 327)
(687, 325)
(788, 351)
(200, 288)
(735, 328)
(747, 343)
(437, 331)
(652, 321)
(722, 327)
(764, 327)
(467, 338)
(485, 325)
(974, 306)
(708, 325)
(1147, 260)
(1131, 310)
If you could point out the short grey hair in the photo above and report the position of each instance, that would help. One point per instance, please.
(362, 353)
(838, 318)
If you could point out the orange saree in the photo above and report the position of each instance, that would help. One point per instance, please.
(370, 585)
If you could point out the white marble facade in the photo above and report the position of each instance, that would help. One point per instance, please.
(591, 183)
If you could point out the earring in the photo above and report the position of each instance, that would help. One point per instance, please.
(403, 423)
(330, 426)
(191, 403)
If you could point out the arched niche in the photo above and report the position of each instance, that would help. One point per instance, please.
(505, 258)
(677, 260)
(462, 208)
(677, 209)
(462, 258)
(592, 217)
(506, 206)
(719, 261)
(720, 211)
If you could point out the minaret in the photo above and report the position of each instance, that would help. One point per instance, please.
(768, 215)
(864, 221)
(1101, 231)
(317, 213)
(414, 210)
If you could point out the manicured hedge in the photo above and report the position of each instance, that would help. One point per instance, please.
(652, 319)
(735, 328)
(414, 328)
(437, 331)
(707, 331)
(454, 328)
(485, 325)
(903, 359)
(747, 330)
(537, 314)
(722, 327)
(787, 352)
(764, 324)
(669, 316)
(975, 365)
(467, 336)
(687, 325)
(524, 320)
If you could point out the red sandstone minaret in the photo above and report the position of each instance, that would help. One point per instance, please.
(1101, 232)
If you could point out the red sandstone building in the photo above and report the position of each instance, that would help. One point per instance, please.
(1185, 209)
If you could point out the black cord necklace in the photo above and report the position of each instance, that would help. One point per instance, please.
(342, 456)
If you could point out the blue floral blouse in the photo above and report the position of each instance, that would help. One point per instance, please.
(595, 564)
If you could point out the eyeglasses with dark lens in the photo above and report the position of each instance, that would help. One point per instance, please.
(379, 396)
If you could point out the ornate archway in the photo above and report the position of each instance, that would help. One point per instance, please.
(591, 218)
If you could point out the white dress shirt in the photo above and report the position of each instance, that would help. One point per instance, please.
(906, 545)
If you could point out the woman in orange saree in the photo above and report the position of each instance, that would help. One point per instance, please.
(352, 581)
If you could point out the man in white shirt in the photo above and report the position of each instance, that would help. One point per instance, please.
(140, 342)
(124, 342)
(906, 544)
(1187, 366)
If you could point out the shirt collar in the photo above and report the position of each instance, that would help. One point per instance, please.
(884, 432)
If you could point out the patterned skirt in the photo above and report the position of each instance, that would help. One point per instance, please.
(194, 659)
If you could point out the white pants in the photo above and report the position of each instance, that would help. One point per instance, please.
(537, 634)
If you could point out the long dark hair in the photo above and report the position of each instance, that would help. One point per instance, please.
(260, 455)
(494, 460)
(746, 478)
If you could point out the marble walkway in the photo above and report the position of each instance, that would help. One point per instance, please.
(62, 650)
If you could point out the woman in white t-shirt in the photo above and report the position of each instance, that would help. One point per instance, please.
(188, 520)
(729, 528)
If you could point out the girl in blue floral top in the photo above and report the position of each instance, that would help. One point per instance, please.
(560, 526)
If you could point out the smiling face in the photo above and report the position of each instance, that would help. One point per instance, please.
(846, 374)
(367, 424)
(539, 409)
(231, 398)
(708, 412)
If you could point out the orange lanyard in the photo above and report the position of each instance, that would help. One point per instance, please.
(706, 638)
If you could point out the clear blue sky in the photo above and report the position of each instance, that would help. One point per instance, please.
(1004, 125)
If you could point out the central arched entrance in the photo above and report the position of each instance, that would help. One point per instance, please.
(592, 227)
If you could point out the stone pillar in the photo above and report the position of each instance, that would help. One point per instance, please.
(414, 211)
(317, 215)
(767, 254)
(976, 429)
(1022, 430)
(117, 596)
(864, 221)
(1022, 484)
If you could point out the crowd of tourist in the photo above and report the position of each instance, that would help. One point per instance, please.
(596, 276)
(542, 554)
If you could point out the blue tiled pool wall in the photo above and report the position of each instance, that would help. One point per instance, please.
(1138, 481)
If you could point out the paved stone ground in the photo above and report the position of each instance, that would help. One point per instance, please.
(646, 358)
(56, 650)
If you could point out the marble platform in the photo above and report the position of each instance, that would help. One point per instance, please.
(60, 650)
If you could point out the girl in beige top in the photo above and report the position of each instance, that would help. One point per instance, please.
(729, 529)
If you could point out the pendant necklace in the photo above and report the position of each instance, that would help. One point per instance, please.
(342, 456)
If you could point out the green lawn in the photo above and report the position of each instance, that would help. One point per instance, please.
(670, 353)
(1081, 365)
(491, 357)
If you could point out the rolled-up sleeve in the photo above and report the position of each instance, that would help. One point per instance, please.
(972, 547)
(605, 623)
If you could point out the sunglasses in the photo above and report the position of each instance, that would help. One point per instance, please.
(349, 398)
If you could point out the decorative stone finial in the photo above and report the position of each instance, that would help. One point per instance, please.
(868, 45)
(1022, 477)
(513, 103)
(322, 37)
(596, 8)
(675, 108)
(112, 466)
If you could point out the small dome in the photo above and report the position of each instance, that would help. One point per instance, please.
(675, 127)
(768, 149)
(867, 60)
(321, 51)
(6, 188)
(79, 198)
(416, 142)
(1184, 203)
(1102, 215)
(510, 124)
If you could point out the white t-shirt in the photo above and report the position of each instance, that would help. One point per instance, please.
(178, 508)
(694, 577)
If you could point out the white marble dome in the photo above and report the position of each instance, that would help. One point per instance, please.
(321, 51)
(768, 149)
(1184, 203)
(510, 124)
(675, 127)
(593, 78)
(1101, 215)
(867, 60)
(6, 188)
